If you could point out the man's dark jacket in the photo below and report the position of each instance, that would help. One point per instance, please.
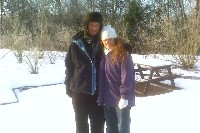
(82, 64)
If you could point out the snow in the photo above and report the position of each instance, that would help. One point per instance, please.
(46, 107)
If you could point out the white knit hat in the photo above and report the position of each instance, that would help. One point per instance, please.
(108, 32)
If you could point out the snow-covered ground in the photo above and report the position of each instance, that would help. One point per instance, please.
(47, 109)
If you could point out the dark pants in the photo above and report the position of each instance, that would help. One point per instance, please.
(117, 120)
(85, 106)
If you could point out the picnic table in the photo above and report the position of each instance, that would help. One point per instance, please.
(151, 73)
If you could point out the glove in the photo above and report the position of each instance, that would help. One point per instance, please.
(122, 103)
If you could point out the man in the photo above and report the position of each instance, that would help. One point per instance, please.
(82, 64)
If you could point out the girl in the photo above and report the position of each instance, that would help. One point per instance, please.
(116, 82)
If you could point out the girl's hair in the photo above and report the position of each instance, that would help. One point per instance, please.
(120, 51)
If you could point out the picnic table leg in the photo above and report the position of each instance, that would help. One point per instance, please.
(148, 83)
(146, 89)
(170, 74)
(140, 71)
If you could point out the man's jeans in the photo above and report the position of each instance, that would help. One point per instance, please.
(117, 120)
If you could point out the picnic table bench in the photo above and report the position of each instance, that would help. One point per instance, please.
(155, 74)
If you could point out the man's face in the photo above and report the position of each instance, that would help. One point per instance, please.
(94, 27)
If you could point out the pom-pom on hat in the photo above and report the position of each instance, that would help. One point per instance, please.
(108, 32)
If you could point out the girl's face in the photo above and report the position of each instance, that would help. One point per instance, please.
(108, 43)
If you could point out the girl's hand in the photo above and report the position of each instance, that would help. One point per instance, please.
(122, 103)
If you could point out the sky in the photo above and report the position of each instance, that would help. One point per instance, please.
(37, 103)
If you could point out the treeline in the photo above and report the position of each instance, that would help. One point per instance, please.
(151, 26)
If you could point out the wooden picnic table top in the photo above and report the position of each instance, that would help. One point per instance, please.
(154, 63)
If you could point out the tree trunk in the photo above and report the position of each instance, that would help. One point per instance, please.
(1, 17)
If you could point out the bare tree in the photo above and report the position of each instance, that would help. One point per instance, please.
(1, 17)
(114, 13)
